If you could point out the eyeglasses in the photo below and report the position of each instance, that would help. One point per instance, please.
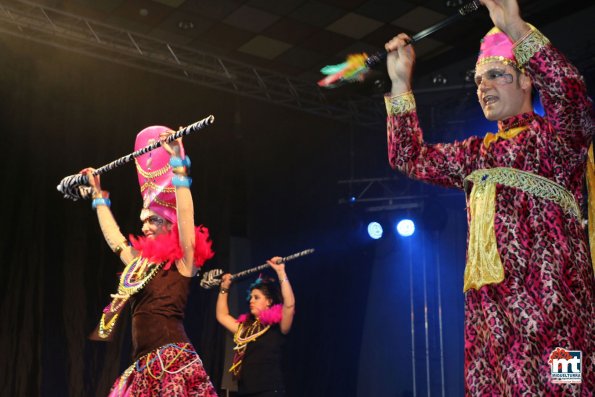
(153, 220)
(494, 76)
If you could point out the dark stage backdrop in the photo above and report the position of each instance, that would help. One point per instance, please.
(261, 172)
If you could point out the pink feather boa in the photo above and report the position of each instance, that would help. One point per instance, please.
(166, 247)
(267, 317)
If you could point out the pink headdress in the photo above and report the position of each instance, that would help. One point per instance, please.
(155, 174)
(496, 46)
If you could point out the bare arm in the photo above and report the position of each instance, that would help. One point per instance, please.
(286, 293)
(185, 209)
(222, 308)
(185, 214)
(109, 227)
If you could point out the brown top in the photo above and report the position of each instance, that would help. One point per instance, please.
(158, 312)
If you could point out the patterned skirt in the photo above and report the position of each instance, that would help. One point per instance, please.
(171, 370)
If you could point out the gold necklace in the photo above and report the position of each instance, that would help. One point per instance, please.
(242, 337)
(136, 275)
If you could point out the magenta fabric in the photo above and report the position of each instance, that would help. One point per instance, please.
(160, 196)
(547, 297)
(184, 375)
(496, 44)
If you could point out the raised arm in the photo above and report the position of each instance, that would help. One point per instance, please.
(184, 205)
(443, 164)
(222, 308)
(109, 227)
(286, 293)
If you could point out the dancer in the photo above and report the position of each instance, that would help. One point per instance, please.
(260, 334)
(156, 279)
(529, 285)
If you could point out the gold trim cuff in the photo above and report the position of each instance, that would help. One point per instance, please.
(528, 45)
(400, 104)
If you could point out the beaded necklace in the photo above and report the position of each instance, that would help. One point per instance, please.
(136, 275)
(133, 279)
(247, 333)
(243, 336)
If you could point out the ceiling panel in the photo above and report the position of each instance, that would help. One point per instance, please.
(418, 19)
(317, 13)
(354, 25)
(251, 19)
(277, 7)
(264, 47)
(290, 30)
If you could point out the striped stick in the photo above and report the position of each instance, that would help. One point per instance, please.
(212, 278)
(75, 186)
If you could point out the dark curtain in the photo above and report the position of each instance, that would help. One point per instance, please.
(261, 172)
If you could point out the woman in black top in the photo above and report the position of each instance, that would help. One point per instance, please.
(156, 278)
(260, 334)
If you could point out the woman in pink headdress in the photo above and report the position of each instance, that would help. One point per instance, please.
(156, 279)
(529, 284)
(260, 334)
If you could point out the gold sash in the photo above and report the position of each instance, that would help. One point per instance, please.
(484, 265)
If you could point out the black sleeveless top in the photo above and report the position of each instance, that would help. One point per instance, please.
(158, 312)
(261, 365)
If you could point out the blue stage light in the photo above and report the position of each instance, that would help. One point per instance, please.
(405, 227)
(375, 230)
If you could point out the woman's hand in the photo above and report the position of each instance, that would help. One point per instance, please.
(94, 181)
(277, 265)
(173, 148)
(226, 281)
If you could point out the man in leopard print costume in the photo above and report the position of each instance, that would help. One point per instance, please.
(529, 283)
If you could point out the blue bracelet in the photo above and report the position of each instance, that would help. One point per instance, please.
(175, 161)
(181, 181)
(101, 201)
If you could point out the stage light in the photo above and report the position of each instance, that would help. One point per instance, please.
(439, 79)
(375, 230)
(405, 227)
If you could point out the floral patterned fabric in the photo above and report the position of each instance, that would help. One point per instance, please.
(546, 299)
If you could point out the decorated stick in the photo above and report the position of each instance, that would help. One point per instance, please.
(357, 64)
(72, 186)
(212, 278)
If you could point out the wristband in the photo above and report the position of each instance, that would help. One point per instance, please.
(101, 201)
(176, 162)
(181, 181)
(223, 291)
(118, 250)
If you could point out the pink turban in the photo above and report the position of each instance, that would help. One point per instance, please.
(496, 46)
(154, 175)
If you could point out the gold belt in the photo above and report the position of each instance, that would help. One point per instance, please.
(484, 265)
